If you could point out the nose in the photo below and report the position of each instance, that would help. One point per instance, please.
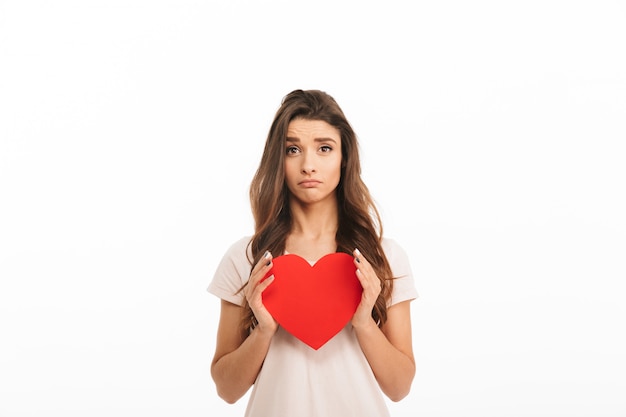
(308, 165)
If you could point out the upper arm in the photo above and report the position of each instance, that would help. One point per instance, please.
(397, 328)
(229, 335)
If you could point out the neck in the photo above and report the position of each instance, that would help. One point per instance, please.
(314, 220)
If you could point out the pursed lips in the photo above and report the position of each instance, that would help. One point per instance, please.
(309, 183)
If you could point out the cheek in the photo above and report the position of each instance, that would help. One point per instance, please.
(337, 166)
(289, 170)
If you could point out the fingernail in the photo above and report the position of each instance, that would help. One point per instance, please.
(266, 254)
(268, 263)
(358, 252)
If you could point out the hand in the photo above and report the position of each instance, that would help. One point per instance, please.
(254, 290)
(371, 290)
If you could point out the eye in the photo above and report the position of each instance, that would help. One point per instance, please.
(291, 150)
(325, 148)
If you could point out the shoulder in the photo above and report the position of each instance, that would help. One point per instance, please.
(394, 252)
(390, 244)
(399, 261)
(238, 254)
(232, 272)
(239, 247)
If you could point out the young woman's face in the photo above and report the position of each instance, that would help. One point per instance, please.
(312, 160)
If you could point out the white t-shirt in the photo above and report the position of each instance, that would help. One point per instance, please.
(299, 381)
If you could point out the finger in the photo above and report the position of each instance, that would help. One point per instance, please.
(265, 283)
(360, 261)
(262, 267)
(265, 260)
(364, 272)
(260, 270)
(257, 294)
(360, 277)
(365, 278)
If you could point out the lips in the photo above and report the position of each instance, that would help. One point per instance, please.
(309, 183)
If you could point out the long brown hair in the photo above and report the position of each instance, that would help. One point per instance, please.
(359, 221)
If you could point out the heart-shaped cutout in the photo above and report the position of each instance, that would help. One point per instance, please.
(313, 303)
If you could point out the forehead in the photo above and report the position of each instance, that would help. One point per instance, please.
(312, 129)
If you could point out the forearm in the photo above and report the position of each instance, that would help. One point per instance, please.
(235, 372)
(393, 369)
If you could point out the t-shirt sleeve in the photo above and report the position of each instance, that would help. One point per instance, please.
(232, 273)
(403, 284)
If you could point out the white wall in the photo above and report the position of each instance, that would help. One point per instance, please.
(493, 140)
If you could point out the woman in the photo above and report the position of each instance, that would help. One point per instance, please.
(308, 199)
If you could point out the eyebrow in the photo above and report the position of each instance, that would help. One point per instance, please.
(290, 139)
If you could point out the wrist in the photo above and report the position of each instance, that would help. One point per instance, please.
(266, 331)
(364, 324)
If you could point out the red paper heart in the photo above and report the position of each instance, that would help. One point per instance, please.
(313, 303)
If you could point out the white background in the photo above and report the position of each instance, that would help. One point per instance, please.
(492, 136)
